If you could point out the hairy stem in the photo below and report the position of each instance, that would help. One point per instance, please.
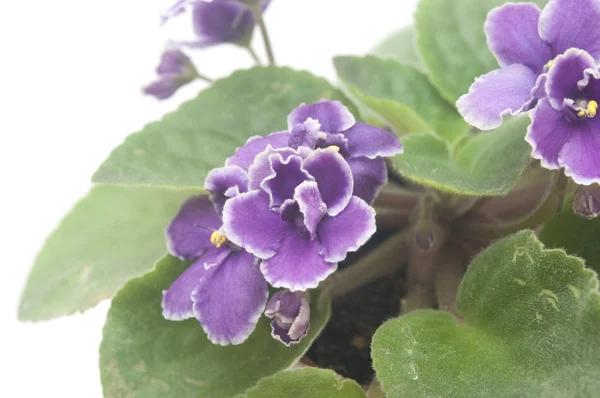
(265, 34)
(384, 260)
(449, 272)
(391, 218)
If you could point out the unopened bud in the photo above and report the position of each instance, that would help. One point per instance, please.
(586, 202)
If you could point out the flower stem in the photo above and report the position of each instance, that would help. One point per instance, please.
(265, 34)
(204, 78)
(449, 273)
(254, 56)
(384, 260)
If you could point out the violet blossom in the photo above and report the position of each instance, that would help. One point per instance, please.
(299, 216)
(526, 41)
(565, 129)
(224, 288)
(175, 70)
(217, 21)
(290, 314)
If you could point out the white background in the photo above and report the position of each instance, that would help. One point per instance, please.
(71, 74)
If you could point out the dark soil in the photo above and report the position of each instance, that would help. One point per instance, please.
(344, 345)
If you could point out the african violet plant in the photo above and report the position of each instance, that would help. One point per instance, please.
(248, 211)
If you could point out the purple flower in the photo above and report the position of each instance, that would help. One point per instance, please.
(224, 288)
(175, 70)
(299, 215)
(290, 314)
(565, 129)
(525, 41)
(586, 202)
(325, 124)
(217, 21)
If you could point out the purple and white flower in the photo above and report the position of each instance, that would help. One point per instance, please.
(175, 70)
(299, 215)
(217, 21)
(565, 129)
(224, 288)
(526, 40)
(290, 314)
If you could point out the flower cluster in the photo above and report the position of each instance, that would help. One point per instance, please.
(285, 209)
(548, 61)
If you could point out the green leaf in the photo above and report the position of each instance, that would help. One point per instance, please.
(400, 94)
(452, 42)
(144, 355)
(531, 328)
(179, 150)
(401, 45)
(576, 235)
(305, 383)
(486, 164)
(110, 236)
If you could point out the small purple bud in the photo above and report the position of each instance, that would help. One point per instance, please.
(175, 70)
(586, 202)
(290, 312)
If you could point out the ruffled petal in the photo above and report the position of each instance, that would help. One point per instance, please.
(333, 177)
(262, 168)
(311, 205)
(567, 78)
(188, 234)
(225, 182)
(287, 175)
(371, 141)
(305, 134)
(581, 154)
(512, 35)
(547, 134)
(369, 176)
(297, 264)
(347, 231)
(569, 24)
(177, 300)
(506, 91)
(290, 312)
(248, 223)
(333, 116)
(229, 302)
(244, 155)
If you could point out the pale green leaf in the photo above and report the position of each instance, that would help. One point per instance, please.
(144, 355)
(531, 328)
(112, 235)
(305, 383)
(179, 150)
(401, 45)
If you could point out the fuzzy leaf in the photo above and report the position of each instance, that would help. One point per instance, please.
(401, 45)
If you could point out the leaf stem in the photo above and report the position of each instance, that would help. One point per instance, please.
(449, 274)
(562, 181)
(257, 11)
(384, 260)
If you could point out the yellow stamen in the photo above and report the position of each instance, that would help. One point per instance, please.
(550, 64)
(217, 239)
(582, 113)
(590, 111)
(334, 148)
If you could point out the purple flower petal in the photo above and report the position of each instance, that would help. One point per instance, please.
(229, 302)
(513, 36)
(567, 78)
(286, 176)
(371, 141)
(502, 92)
(581, 154)
(305, 134)
(297, 264)
(547, 134)
(188, 234)
(244, 155)
(333, 176)
(248, 222)
(163, 88)
(224, 183)
(263, 166)
(333, 116)
(569, 24)
(311, 205)
(290, 312)
(347, 231)
(369, 176)
(222, 21)
(177, 300)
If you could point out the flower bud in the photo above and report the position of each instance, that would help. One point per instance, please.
(175, 70)
(290, 314)
(586, 202)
